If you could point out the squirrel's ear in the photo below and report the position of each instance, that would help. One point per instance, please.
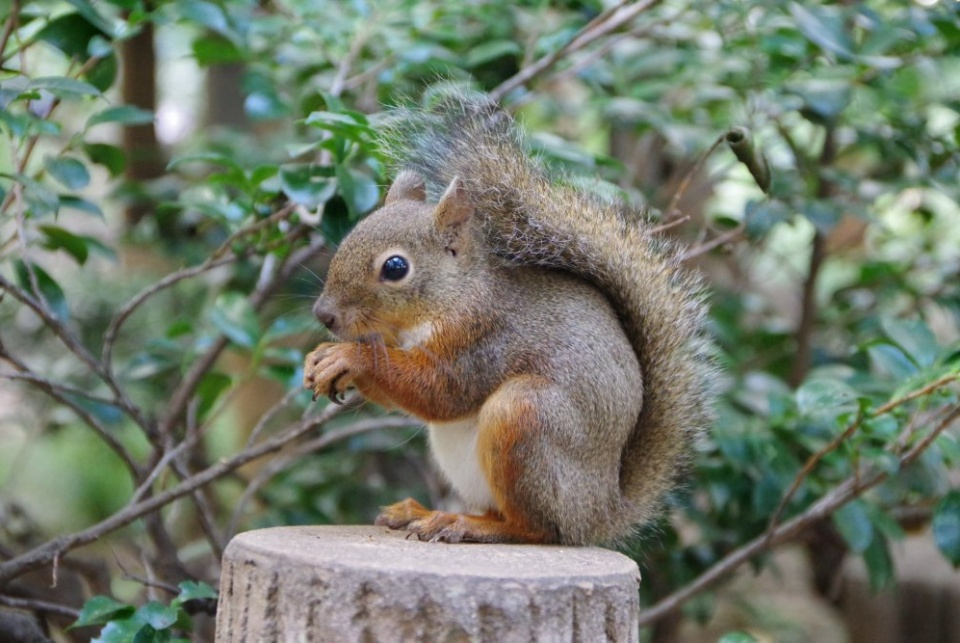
(454, 208)
(408, 186)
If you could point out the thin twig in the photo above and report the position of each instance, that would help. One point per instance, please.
(37, 380)
(12, 24)
(671, 212)
(603, 24)
(702, 248)
(44, 607)
(818, 254)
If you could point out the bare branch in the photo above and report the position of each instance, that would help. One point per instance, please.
(44, 607)
(727, 237)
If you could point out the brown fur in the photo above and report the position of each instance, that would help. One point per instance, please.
(563, 344)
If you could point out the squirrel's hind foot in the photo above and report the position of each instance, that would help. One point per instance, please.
(444, 527)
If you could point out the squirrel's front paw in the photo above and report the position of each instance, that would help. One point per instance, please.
(330, 370)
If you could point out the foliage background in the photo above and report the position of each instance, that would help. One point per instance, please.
(174, 176)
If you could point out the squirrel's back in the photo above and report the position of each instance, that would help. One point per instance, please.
(530, 220)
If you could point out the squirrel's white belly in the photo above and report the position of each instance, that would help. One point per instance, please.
(454, 446)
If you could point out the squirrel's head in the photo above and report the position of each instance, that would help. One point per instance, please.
(404, 266)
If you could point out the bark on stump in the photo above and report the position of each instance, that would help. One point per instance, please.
(374, 584)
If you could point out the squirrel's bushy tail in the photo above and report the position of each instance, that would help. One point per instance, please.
(531, 220)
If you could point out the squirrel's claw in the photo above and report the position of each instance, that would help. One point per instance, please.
(334, 393)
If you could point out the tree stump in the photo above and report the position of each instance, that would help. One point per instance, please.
(374, 584)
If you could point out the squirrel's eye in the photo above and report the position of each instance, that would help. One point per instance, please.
(394, 268)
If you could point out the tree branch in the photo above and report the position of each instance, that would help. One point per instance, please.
(603, 24)
(43, 607)
(59, 394)
(851, 488)
(49, 551)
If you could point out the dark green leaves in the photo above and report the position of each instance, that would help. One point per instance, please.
(946, 527)
(102, 609)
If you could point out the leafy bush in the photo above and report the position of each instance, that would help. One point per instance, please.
(807, 153)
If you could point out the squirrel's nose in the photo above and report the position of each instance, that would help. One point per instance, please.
(325, 314)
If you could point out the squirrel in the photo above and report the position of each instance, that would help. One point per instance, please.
(552, 342)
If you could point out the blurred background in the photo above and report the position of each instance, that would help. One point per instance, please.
(175, 175)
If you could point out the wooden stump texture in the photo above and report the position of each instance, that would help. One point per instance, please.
(374, 584)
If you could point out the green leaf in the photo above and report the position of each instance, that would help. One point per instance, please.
(349, 124)
(737, 637)
(60, 239)
(211, 387)
(103, 73)
(94, 17)
(41, 199)
(51, 291)
(824, 27)
(157, 615)
(210, 158)
(234, 317)
(109, 156)
(879, 563)
(946, 526)
(101, 609)
(853, 522)
(70, 33)
(64, 87)
(192, 591)
(123, 114)
(306, 184)
(490, 51)
(824, 99)
(213, 49)
(204, 13)
(889, 359)
(335, 223)
(914, 337)
(76, 203)
(824, 394)
(68, 171)
(119, 631)
(358, 190)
